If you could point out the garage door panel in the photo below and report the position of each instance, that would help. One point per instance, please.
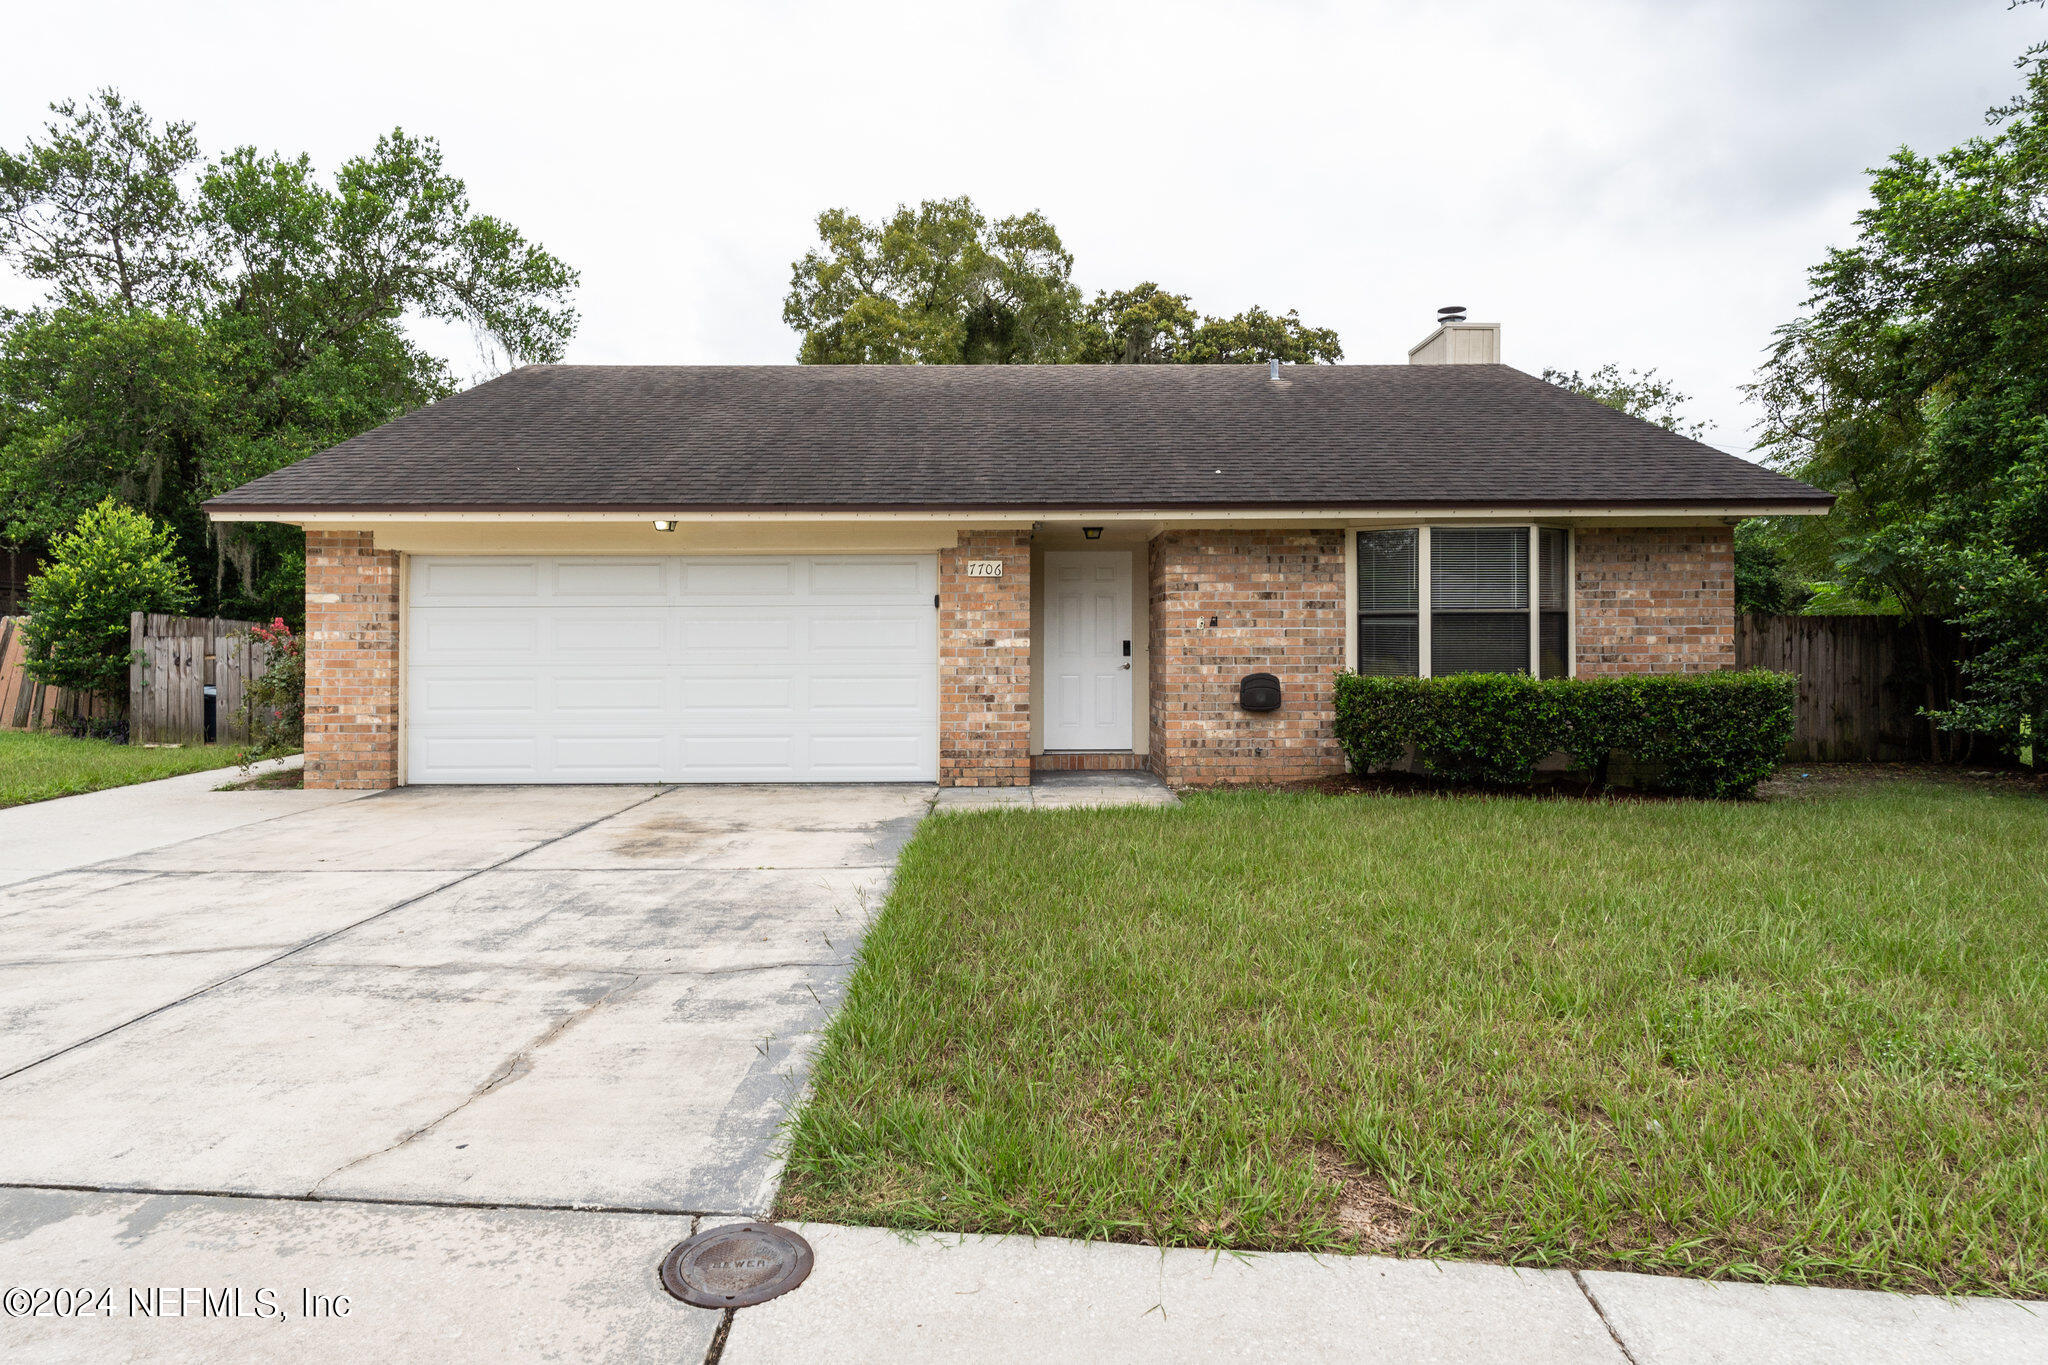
(898, 694)
(856, 752)
(462, 635)
(614, 580)
(625, 756)
(459, 696)
(583, 696)
(880, 635)
(443, 582)
(711, 669)
(579, 635)
(478, 758)
(710, 698)
(714, 578)
(736, 630)
(869, 576)
(756, 754)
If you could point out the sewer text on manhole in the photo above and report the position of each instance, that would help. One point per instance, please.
(736, 1266)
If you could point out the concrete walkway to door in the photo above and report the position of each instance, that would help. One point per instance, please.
(470, 1057)
(1063, 791)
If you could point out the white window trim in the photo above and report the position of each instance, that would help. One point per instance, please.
(1571, 603)
(1425, 646)
(1351, 601)
(1423, 643)
(1535, 600)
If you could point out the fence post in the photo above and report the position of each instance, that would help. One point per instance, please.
(234, 667)
(137, 679)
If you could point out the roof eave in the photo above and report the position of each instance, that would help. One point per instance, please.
(220, 510)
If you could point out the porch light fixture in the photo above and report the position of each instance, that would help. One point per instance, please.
(662, 524)
(1092, 532)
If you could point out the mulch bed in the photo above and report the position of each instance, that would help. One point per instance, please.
(1792, 779)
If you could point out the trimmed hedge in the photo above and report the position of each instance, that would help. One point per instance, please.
(1704, 734)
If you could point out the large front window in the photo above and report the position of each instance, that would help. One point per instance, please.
(1494, 599)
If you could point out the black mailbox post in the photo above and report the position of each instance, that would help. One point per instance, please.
(1259, 692)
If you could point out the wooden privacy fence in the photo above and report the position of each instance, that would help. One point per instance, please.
(25, 703)
(1862, 682)
(176, 659)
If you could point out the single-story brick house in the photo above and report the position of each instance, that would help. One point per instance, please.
(595, 573)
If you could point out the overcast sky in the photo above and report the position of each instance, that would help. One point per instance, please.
(1644, 183)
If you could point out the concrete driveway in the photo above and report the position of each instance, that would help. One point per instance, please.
(450, 1016)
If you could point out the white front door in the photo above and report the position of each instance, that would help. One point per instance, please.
(1088, 655)
(713, 668)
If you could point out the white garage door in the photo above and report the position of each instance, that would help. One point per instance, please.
(786, 668)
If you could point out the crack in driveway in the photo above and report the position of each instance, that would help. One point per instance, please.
(140, 957)
(518, 1065)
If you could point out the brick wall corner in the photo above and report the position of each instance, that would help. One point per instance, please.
(351, 662)
(985, 662)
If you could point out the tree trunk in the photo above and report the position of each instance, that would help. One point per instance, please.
(1937, 739)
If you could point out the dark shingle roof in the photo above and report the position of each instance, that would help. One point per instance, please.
(679, 437)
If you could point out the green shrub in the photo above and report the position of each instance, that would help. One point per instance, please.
(277, 698)
(114, 561)
(1708, 734)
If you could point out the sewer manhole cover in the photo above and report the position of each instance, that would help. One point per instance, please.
(736, 1265)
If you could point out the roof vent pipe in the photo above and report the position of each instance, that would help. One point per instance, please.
(1273, 368)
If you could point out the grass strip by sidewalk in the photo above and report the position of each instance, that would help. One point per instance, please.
(36, 765)
(1797, 1041)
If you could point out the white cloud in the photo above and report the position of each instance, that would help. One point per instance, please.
(1644, 183)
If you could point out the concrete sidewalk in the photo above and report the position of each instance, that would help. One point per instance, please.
(1062, 791)
(882, 1296)
(74, 831)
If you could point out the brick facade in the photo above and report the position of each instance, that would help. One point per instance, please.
(351, 661)
(985, 663)
(1655, 599)
(1648, 599)
(1278, 602)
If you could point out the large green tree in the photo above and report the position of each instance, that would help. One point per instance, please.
(1148, 325)
(942, 285)
(1914, 385)
(207, 322)
(936, 285)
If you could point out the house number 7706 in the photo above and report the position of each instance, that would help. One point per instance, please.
(984, 568)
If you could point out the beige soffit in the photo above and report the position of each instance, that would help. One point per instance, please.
(638, 536)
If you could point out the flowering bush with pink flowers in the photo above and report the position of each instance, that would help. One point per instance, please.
(277, 700)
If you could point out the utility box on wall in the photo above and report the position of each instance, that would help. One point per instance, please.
(1259, 692)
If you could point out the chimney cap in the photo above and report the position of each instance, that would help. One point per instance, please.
(1454, 313)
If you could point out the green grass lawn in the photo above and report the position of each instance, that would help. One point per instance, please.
(1802, 1040)
(36, 765)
